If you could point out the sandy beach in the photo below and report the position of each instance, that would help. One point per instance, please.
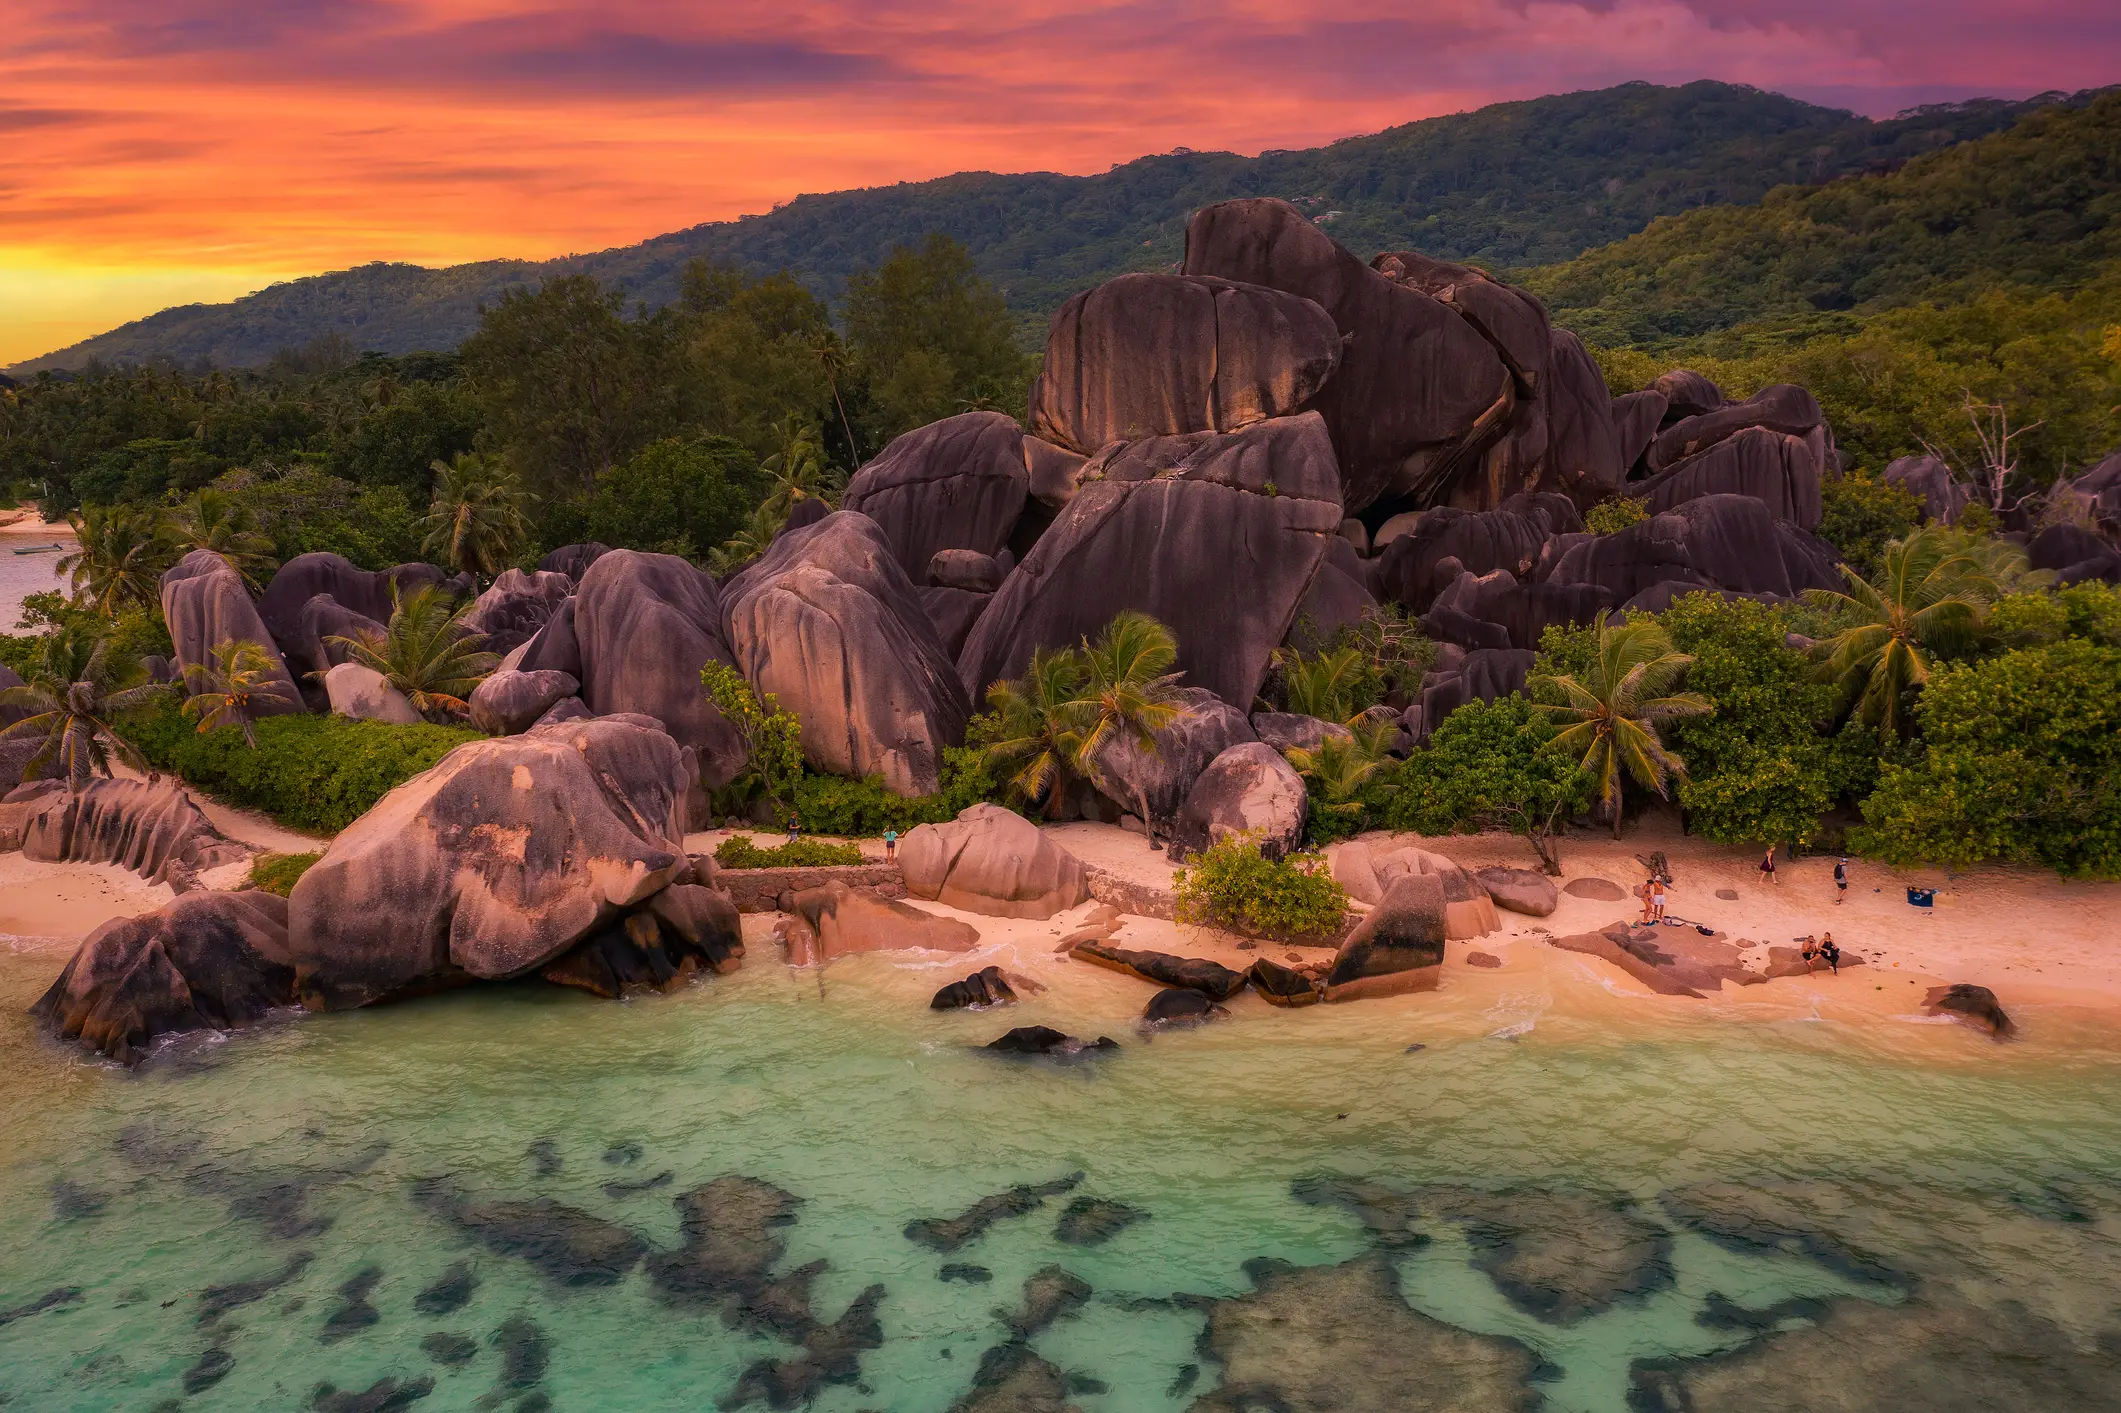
(24, 574)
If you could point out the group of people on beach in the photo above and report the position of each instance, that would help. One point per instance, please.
(1651, 893)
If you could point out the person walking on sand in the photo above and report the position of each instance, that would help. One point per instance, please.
(1829, 953)
(1841, 882)
(795, 827)
(890, 846)
(1767, 865)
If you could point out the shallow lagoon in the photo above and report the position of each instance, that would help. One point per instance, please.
(1939, 1180)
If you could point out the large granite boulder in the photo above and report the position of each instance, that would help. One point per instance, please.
(1398, 947)
(1420, 564)
(1153, 355)
(829, 622)
(1248, 789)
(2059, 547)
(1054, 472)
(964, 569)
(1687, 394)
(312, 646)
(993, 861)
(1513, 322)
(1520, 890)
(1583, 459)
(155, 829)
(1483, 676)
(1782, 407)
(1636, 418)
(358, 691)
(952, 612)
(683, 929)
(1468, 911)
(1717, 541)
(1778, 470)
(1217, 535)
(1338, 598)
(1194, 973)
(645, 624)
(508, 703)
(553, 648)
(1158, 777)
(574, 560)
(2101, 486)
(1522, 611)
(516, 606)
(205, 605)
(1943, 495)
(367, 592)
(837, 921)
(204, 961)
(492, 863)
(955, 484)
(1419, 392)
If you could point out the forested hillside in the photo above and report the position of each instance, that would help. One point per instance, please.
(1509, 186)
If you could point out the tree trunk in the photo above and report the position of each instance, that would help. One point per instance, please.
(1141, 797)
(1549, 860)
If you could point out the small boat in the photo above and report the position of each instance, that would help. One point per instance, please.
(39, 549)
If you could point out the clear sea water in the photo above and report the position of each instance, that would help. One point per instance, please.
(1953, 1197)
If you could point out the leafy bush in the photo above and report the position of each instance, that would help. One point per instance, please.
(1858, 515)
(1610, 517)
(316, 773)
(278, 873)
(1232, 885)
(773, 739)
(676, 497)
(737, 851)
(1491, 764)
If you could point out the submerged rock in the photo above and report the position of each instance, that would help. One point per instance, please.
(733, 1232)
(1177, 1005)
(1050, 1293)
(565, 1245)
(210, 1368)
(1340, 1338)
(947, 1234)
(216, 1301)
(355, 1311)
(451, 1291)
(1012, 1379)
(450, 1347)
(382, 1396)
(1977, 1005)
(526, 1351)
(1093, 1221)
(831, 1355)
(57, 1298)
(1193, 973)
(985, 987)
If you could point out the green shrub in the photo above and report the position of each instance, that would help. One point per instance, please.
(773, 741)
(835, 804)
(1858, 515)
(737, 851)
(1233, 886)
(316, 773)
(1610, 517)
(278, 873)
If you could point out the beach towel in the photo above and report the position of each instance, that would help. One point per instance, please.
(1922, 897)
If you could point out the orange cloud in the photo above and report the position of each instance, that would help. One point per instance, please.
(163, 150)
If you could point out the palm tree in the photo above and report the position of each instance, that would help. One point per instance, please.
(1037, 747)
(748, 543)
(216, 520)
(798, 469)
(72, 697)
(1616, 708)
(228, 690)
(1933, 589)
(1341, 765)
(1129, 691)
(477, 519)
(1323, 686)
(426, 652)
(123, 551)
(832, 357)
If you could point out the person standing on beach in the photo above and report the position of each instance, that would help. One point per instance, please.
(1642, 894)
(1656, 900)
(1767, 865)
(891, 846)
(795, 827)
(1841, 882)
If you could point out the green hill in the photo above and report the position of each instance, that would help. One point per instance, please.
(2035, 207)
(1511, 185)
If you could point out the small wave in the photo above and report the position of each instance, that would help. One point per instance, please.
(1515, 1029)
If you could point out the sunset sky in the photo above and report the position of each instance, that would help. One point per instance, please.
(156, 152)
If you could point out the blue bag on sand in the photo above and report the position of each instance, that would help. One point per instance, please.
(1921, 897)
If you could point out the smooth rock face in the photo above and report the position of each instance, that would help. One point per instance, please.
(1670, 961)
(1975, 1004)
(1192, 973)
(1784, 408)
(828, 622)
(361, 692)
(985, 987)
(516, 606)
(1398, 947)
(491, 864)
(1293, 731)
(955, 484)
(1355, 870)
(205, 604)
(1688, 394)
(310, 649)
(156, 830)
(1520, 890)
(574, 560)
(1717, 541)
(363, 591)
(1928, 477)
(994, 861)
(1583, 455)
(1419, 565)
(204, 961)
(1128, 775)
(1217, 536)
(1522, 611)
(1636, 417)
(837, 921)
(952, 612)
(554, 648)
(964, 569)
(508, 703)
(1153, 355)
(1248, 789)
(1415, 379)
(646, 624)
(1053, 470)
(1777, 470)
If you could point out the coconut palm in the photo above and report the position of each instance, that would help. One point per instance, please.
(215, 520)
(71, 698)
(1931, 592)
(1338, 768)
(477, 518)
(1323, 686)
(233, 685)
(748, 543)
(798, 470)
(1039, 712)
(123, 551)
(426, 652)
(1129, 692)
(1610, 717)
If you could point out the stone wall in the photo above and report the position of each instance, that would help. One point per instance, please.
(759, 890)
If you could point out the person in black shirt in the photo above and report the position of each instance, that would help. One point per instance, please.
(1841, 883)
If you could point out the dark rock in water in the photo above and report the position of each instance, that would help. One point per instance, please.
(1974, 1004)
(620, 1154)
(1012, 1379)
(732, 1231)
(947, 1234)
(544, 1157)
(831, 1355)
(1193, 973)
(210, 1368)
(1050, 1293)
(450, 1292)
(1926, 1355)
(1757, 1218)
(970, 1275)
(354, 1312)
(538, 1402)
(1341, 1337)
(1045, 1040)
(617, 1189)
(52, 1299)
(450, 1347)
(216, 1301)
(150, 1151)
(1179, 1006)
(525, 1351)
(780, 1307)
(985, 987)
(73, 1202)
(564, 1244)
(278, 1203)
(1182, 1382)
(383, 1396)
(1280, 986)
(1723, 1313)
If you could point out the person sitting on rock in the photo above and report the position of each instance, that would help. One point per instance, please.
(1808, 951)
(1829, 953)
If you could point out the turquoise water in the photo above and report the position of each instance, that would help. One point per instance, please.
(1919, 1181)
